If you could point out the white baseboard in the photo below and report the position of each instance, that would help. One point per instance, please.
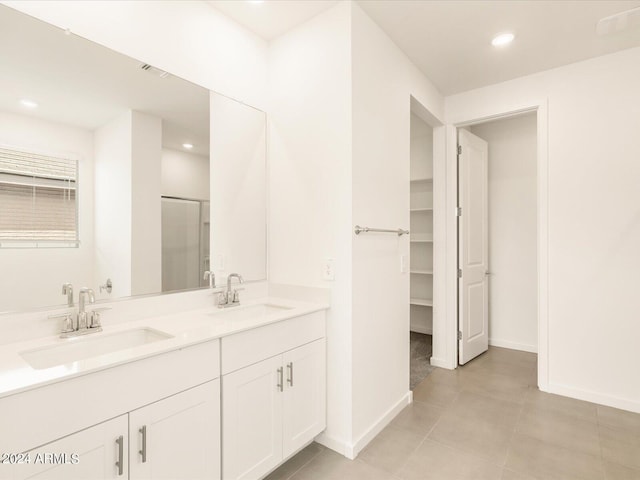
(379, 425)
(441, 362)
(594, 397)
(335, 444)
(421, 329)
(513, 345)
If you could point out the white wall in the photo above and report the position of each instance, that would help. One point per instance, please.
(184, 175)
(189, 39)
(594, 226)
(421, 142)
(113, 213)
(146, 222)
(383, 81)
(339, 155)
(513, 284)
(310, 184)
(44, 270)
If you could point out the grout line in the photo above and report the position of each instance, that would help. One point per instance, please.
(515, 430)
(424, 439)
(604, 473)
(304, 464)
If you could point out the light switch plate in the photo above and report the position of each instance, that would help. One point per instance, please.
(328, 270)
(219, 263)
(403, 264)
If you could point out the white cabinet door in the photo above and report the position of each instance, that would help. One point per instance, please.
(178, 437)
(252, 420)
(102, 454)
(304, 406)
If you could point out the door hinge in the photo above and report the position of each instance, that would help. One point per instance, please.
(459, 149)
(459, 273)
(458, 211)
(459, 335)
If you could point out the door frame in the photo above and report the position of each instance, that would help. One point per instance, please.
(539, 106)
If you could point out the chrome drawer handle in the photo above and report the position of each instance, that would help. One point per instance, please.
(143, 452)
(290, 368)
(280, 379)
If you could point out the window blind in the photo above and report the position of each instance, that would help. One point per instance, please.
(38, 199)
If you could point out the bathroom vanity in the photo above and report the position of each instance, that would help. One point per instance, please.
(205, 393)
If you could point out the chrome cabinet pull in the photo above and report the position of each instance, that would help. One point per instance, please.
(290, 369)
(120, 462)
(280, 379)
(143, 452)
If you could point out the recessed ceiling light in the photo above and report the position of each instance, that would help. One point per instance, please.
(28, 103)
(255, 1)
(502, 39)
(188, 146)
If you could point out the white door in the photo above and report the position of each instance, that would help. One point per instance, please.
(178, 437)
(473, 254)
(252, 420)
(304, 396)
(102, 454)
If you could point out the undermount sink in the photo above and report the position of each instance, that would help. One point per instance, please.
(249, 312)
(74, 349)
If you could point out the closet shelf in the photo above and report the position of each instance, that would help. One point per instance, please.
(422, 272)
(424, 209)
(425, 302)
(421, 238)
(423, 179)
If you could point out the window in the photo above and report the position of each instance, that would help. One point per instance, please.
(38, 200)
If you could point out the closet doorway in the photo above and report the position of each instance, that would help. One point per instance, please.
(421, 250)
(498, 235)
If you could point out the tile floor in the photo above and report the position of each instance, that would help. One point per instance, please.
(487, 420)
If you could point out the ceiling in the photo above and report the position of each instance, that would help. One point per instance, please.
(271, 18)
(79, 83)
(450, 41)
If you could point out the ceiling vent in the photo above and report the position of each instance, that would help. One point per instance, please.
(619, 22)
(156, 71)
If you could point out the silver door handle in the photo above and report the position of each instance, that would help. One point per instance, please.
(280, 379)
(143, 451)
(120, 462)
(290, 369)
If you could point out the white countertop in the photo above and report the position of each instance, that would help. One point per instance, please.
(187, 327)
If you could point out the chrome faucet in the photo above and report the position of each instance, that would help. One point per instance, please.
(67, 289)
(212, 278)
(230, 298)
(82, 314)
(85, 322)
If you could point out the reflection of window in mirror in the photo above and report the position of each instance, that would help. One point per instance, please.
(38, 201)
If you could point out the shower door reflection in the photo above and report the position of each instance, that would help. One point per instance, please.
(185, 243)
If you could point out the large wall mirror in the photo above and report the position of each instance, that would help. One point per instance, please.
(111, 169)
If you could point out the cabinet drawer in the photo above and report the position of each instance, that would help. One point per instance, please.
(252, 346)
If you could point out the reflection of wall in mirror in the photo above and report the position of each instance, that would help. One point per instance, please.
(127, 214)
(33, 276)
(238, 189)
(185, 175)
